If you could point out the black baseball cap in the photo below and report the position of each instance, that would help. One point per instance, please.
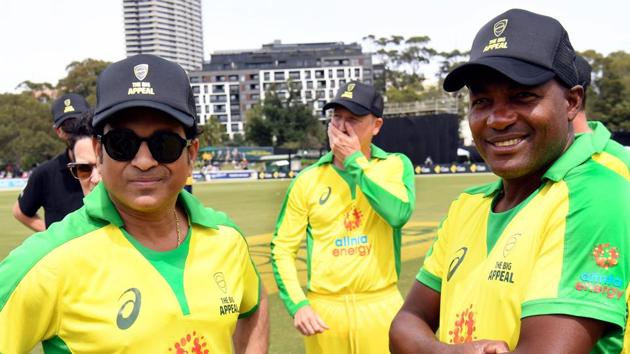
(67, 106)
(358, 98)
(528, 48)
(144, 80)
(584, 70)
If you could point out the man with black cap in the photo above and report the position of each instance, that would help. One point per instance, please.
(51, 185)
(143, 266)
(607, 151)
(535, 262)
(350, 206)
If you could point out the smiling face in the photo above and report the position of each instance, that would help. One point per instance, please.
(520, 130)
(143, 184)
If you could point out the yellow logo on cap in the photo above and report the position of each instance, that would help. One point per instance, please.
(499, 27)
(499, 42)
(348, 93)
(68, 106)
(140, 88)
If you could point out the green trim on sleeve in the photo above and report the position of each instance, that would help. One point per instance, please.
(282, 288)
(298, 306)
(572, 307)
(55, 345)
(309, 255)
(393, 210)
(429, 280)
(397, 250)
(255, 308)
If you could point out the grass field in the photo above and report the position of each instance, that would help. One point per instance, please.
(254, 207)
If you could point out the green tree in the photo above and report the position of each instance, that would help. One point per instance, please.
(283, 122)
(608, 99)
(402, 60)
(212, 133)
(81, 78)
(26, 134)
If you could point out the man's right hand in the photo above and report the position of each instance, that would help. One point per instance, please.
(308, 322)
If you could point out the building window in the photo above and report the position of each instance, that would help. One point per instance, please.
(308, 94)
(233, 77)
(205, 89)
(342, 82)
(195, 89)
(330, 73)
(255, 96)
(307, 74)
(320, 93)
(222, 118)
(219, 78)
(368, 82)
(219, 108)
(294, 75)
(253, 76)
(332, 83)
(234, 89)
(207, 108)
(235, 127)
(367, 72)
(218, 88)
(319, 74)
(194, 79)
(321, 84)
(341, 73)
(254, 86)
(357, 72)
(278, 76)
(331, 93)
(267, 76)
(309, 84)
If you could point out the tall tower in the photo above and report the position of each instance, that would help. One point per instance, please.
(170, 29)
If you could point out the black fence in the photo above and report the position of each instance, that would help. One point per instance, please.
(435, 136)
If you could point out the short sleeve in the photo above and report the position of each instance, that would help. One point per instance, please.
(433, 269)
(31, 198)
(583, 267)
(251, 283)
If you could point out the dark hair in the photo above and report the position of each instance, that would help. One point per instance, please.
(82, 128)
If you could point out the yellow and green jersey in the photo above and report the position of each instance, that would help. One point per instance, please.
(608, 152)
(563, 250)
(86, 286)
(352, 221)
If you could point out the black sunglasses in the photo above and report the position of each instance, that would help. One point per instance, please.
(123, 145)
(81, 170)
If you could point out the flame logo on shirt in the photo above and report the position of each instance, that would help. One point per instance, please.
(464, 327)
(191, 343)
(352, 219)
(605, 256)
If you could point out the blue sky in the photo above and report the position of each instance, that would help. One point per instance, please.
(40, 37)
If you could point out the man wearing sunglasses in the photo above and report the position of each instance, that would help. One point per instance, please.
(143, 266)
(82, 145)
(51, 186)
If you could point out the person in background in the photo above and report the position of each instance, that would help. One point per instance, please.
(82, 145)
(350, 207)
(50, 185)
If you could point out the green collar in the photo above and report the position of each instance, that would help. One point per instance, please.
(600, 137)
(98, 205)
(375, 152)
(580, 151)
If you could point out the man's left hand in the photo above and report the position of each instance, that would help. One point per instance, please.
(343, 144)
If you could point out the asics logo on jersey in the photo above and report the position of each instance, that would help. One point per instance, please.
(128, 312)
(324, 198)
(457, 260)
